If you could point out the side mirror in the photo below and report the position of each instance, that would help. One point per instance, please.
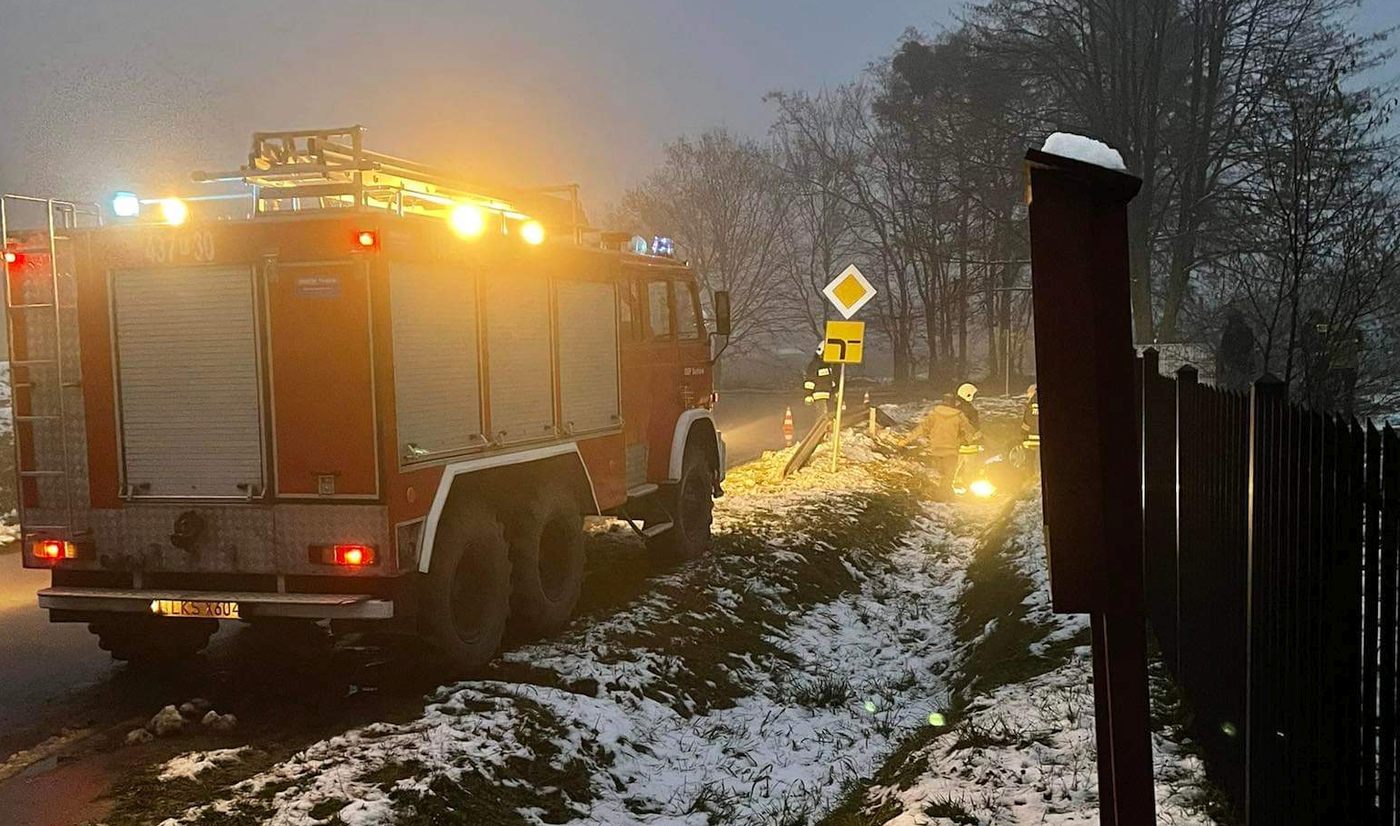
(722, 323)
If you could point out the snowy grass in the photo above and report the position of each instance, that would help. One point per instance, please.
(853, 653)
(1021, 747)
(751, 687)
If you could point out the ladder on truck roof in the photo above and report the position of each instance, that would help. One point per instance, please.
(40, 290)
(331, 169)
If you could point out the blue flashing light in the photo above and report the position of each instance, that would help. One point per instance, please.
(126, 205)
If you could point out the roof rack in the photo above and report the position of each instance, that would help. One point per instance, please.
(317, 169)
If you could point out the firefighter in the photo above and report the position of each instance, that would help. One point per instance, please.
(818, 383)
(1234, 361)
(949, 433)
(967, 391)
(1030, 429)
(1344, 356)
(1316, 358)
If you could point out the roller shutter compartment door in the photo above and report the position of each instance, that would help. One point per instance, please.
(188, 383)
(588, 356)
(437, 390)
(519, 351)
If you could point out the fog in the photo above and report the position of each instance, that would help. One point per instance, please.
(100, 96)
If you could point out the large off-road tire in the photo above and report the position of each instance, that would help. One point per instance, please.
(690, 506)
(547, 561)
(466, 598)
(141, 638)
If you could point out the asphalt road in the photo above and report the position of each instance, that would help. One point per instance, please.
(40, 664)
(752, 421)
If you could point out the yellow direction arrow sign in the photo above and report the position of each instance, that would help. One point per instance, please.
(849, 291)
(845, 342)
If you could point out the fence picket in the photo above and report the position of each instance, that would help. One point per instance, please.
(1272, 552)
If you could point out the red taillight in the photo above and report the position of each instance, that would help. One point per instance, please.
(354, 555)
(348, 555)
(54, 549)
(367, 239)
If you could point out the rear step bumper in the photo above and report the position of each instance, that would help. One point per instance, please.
(250, 603)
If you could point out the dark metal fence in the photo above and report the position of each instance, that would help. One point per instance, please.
(1271, 536)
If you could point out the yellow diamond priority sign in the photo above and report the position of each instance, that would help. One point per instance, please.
(849, 291)
(845, 342)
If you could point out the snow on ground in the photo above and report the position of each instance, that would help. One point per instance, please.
(192, 765)
(763, 685)
(1006, 407)
(1084, 149)
(6, 423)
(753, 687)
(1024, 754)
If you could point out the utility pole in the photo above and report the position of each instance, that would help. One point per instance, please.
(1005, 292)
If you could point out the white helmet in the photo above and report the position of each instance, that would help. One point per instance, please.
(966, 391)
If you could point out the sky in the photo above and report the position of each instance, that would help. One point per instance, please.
(101, 95)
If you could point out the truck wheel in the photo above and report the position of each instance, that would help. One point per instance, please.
(691, 508)
(139, 638)
(547, 561)
(467, 594)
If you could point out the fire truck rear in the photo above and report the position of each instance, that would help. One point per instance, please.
(377, 394)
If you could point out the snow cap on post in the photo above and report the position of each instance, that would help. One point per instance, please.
(1080, 148)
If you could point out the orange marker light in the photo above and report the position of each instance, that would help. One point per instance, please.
(532, 232)
(11, 257)
(174, 211)
(367, 239)
(468, 220)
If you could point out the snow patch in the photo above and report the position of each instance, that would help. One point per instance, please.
(1088, 150)
(853, 677)
(1025, 754)
(192, 765)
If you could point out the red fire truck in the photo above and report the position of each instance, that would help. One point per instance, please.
(377, 394)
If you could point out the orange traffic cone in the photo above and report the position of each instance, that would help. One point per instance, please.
(787, 427)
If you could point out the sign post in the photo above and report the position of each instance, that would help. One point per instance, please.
(845, 340)
(836, 422)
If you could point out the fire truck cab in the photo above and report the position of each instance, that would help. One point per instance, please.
(377, 393)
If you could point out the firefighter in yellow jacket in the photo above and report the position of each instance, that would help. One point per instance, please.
(951, 439)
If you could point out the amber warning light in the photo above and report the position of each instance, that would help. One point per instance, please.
(367, 239)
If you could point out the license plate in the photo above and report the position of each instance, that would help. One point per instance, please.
(194, 608)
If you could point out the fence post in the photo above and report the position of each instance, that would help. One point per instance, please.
(1267, 397)
(1085, 369)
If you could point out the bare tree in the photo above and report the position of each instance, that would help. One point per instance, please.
(723, 201)
(863, 165)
